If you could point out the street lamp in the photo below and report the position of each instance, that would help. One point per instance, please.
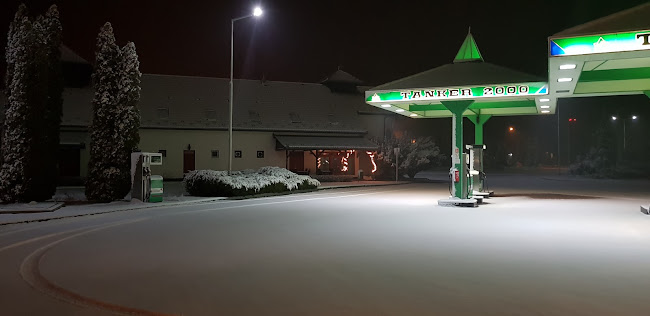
(256, 13)
(633, 118)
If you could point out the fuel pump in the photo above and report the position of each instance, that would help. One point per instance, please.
(145, 186)
(476, 171)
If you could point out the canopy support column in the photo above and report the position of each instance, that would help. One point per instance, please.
(479, 120)
(457, 108)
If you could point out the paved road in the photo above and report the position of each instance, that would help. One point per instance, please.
(542, 249)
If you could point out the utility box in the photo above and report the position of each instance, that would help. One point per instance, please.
(145, 186)
(156, 185)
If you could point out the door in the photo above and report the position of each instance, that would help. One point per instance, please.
(297, 161)
(188, 161)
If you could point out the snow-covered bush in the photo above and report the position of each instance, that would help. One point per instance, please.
(415, 155)
(247, 182)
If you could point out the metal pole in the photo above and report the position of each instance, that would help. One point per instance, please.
(558, 138)
(624, 120)
(230, 99)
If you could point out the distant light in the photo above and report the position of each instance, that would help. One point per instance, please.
(634, 117)
(564, 79)
(568, 66)
(510, 155)
(257, 11)
(544, 106)
(546, 111)
(414, 115)
(613, 118)
(544, 100)
(385, 105)
(573, 120)
(511, 128)
(399, 110)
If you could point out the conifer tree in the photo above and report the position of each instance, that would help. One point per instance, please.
(51, 26)
(104, 167)
(22, 87)
(128, 117)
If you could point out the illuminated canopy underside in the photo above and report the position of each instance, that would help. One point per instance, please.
(611, 56)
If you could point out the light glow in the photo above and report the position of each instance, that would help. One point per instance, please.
(567, 66)
(564, 79)
(634, 117)
(414, 115)
(399, 110)
(544, 106)
(546, 111)
(614, 118)
(372, 160)
(257, 11)
(544, 100)
(385, 105)
(512, 129)
(344, 160)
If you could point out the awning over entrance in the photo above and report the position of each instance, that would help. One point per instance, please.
(293, 142)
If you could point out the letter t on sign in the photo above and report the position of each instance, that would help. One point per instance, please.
(645, 38)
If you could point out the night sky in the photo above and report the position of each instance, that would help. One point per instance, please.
(376, 41)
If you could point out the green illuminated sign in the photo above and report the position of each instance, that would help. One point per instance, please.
(510, 90)
(605, 43)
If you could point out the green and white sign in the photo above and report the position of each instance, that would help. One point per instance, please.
(454, 93)
(604, 43)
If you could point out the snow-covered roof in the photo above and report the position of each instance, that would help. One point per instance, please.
(67, 55)
(341, 76)
(180, 102)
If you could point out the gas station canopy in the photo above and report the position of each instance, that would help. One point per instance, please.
(495, 90)
(608, 56)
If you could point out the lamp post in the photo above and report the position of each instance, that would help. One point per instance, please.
(256, 12)
(633, 118)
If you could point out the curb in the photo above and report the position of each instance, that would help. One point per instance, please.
(52, 208)
(156, 205)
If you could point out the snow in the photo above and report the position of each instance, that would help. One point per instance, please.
(251, 179)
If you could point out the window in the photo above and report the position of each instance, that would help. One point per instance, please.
(260, 154)
(211, 115)
(163, 152)
(295, 117)
(162, 113)
(215, 154)
(237, 153)
(254, 117)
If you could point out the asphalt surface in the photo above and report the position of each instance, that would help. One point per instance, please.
(544, 246)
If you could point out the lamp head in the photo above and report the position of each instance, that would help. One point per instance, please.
(257, 11)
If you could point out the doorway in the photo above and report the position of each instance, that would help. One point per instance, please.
(188, 161)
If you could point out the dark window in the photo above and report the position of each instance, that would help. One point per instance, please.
(163, 113)
(211, 114)
(215, 154)
(163, 152)
(295, 117)
(237, 153)
(260, 154)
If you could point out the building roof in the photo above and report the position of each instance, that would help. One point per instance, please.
(324, 143)
(341, 76)
(460, 74)
(468, 51)
(633, 19)
(179, 102)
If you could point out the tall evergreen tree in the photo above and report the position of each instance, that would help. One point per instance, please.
(106, 166)
(19, 177)
(128, 126)
(30, 136)
(51, 26)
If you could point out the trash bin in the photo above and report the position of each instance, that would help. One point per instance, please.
(156, 188)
